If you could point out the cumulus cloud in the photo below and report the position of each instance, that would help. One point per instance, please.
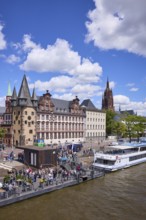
(134, 89)
(59, 57)
(2, 101)
(12, 59)
(126, 104)
(121, 99)
(118, 24)
(59, 84)
(3, 42)
(130, 84)
(87, 89)
(112, 84)
(66, 96)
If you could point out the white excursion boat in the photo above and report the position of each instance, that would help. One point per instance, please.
(120, 156)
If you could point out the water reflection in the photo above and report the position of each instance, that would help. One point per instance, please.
(117, 196)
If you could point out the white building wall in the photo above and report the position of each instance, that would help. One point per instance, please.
(95, 124)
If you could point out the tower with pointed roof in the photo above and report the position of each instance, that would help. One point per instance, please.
(107, 99)
(24, 114)
(8, 99)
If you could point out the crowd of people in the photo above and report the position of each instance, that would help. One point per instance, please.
(28, 178)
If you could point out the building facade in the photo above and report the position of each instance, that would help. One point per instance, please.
(95, 129)
(6, 119)
(53, 121)
(60, 121)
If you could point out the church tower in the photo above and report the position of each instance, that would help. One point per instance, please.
(107, 99)
(24, 115)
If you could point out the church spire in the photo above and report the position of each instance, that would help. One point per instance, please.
(107, 84)
(9, 93)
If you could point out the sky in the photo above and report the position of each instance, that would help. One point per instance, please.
(71, 48)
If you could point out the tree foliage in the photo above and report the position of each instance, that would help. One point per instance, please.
(125, 125)
(2, 133)
(135, 126)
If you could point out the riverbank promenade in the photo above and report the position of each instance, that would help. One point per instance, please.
(20, 181)
(44, 181)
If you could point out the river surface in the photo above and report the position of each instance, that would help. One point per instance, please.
(116, 196)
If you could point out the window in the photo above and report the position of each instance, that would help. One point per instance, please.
(30, 131)
(25, 112)
(29, 117)
(26, 122)
(32, 113)
(33, 159)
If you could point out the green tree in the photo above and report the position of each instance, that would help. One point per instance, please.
(119, 129)
(2, 133)
(135, 126)
(110, 122)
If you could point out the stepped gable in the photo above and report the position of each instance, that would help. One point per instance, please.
(24, 92)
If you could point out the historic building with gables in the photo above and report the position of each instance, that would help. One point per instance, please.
(54, 121)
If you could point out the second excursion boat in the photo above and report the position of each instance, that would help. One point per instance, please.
(120, 156)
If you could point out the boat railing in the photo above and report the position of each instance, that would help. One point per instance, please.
(118, 152)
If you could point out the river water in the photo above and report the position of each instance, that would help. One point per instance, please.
(116, 196)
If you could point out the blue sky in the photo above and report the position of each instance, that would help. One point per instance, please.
(71, 47)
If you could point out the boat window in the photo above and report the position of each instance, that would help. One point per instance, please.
(105, 162)
(137, 157)
(142, 148)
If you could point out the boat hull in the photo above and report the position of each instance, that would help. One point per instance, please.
(119, 167)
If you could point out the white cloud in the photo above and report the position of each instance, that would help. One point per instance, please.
(60, 57)
(121, 99)
(67, 96)
(57, 57)
(112, 84)
(130, 84)
(118, 24)
(57, 84)
(134, 89)
(3, 42)
(28, 44)
(2, 101)
(126, 104)
(87, 89)
(12, 59)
